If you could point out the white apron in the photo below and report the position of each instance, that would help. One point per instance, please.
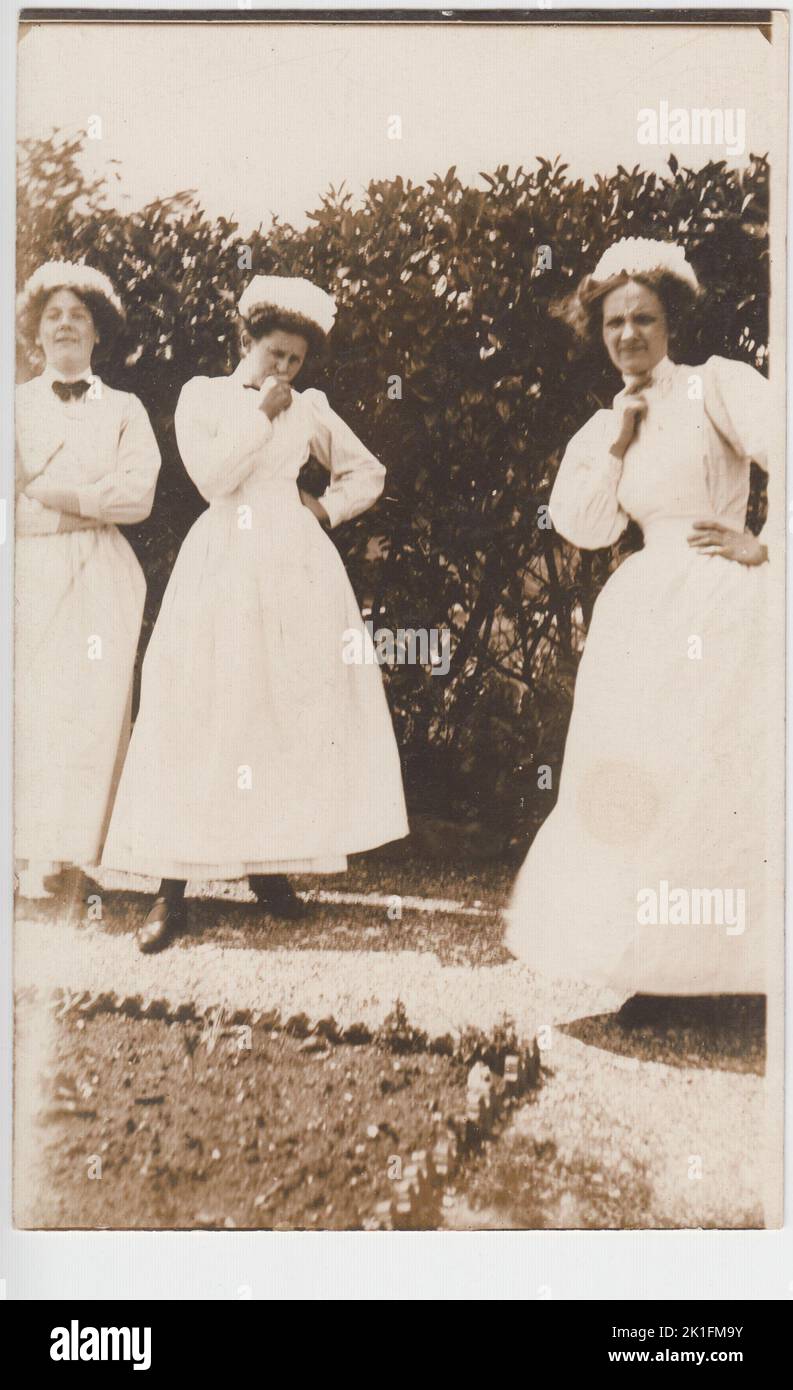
(79, 596)
(650, 874)
(256, 748)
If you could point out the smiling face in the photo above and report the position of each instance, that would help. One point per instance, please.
(277, 354)
(67, 334)
(635, 330)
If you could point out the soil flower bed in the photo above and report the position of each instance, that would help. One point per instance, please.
(158, 1123)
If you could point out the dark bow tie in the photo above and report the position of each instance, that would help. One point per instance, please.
(70, 390)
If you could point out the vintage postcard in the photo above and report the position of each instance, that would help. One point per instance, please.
(399, 601)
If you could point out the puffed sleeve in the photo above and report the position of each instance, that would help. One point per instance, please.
(583, 503)
(219, 442)
(357, 478)
(126, 493)
(743, 399)
(739, 401)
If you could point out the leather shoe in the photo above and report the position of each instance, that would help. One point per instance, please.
(276, 895)
(160, 927)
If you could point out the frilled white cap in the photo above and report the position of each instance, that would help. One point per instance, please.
(640, 255)
(293, 294)
(67, 275)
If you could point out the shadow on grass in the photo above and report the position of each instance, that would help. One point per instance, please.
(232, 918)
(724, 1032)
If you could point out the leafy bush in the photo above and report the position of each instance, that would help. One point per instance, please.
(443, 287)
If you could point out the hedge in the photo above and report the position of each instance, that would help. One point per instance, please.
(446, 361)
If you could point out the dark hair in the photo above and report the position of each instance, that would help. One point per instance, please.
(583, 310)
(268, 318)
(108, 322)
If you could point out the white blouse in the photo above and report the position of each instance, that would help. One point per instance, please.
(230, 446)
(100, 449)
(690, 458)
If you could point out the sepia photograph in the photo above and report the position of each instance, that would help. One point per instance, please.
(399, 560)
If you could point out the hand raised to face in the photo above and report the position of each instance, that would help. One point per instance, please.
(275, 396)
(632, 410)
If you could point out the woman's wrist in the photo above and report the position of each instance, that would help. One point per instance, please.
(314, 505)
(58, 499)
(752, 551)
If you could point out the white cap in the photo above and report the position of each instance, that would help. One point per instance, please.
(293, 294)
(68, 275)
(640, 255)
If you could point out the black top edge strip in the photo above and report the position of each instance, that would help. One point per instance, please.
(451, 16)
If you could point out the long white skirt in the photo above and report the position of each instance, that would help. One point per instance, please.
(650, 873)
(79, 605)
(256, 748)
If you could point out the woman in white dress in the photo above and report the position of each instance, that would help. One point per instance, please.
(257, 751)
(649, 876)
(86, 461)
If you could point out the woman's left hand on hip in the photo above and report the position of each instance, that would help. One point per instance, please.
(712, 538)
(315, 506)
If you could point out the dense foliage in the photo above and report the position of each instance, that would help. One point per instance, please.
(446, 288)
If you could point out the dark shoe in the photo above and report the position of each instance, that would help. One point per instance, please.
(161, 926)
(276, 895)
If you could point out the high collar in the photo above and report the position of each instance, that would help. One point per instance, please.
(50, 374)
(240, 375)
(661, 372)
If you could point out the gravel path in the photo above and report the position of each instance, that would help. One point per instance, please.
(349, 986)
(613, 1139)
(609, 1141)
